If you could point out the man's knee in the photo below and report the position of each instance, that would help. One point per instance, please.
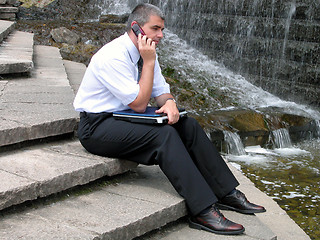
(167, 131)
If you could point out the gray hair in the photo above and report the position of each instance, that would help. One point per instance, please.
(141, 14)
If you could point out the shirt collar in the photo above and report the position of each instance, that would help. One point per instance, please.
(132, 49)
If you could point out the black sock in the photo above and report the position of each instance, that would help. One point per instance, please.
(206, 210)
(231, 192)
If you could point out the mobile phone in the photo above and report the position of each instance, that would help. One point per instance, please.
(137, 29)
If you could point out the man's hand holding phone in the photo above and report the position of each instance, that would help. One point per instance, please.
(146, 46)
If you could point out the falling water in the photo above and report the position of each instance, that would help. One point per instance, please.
(204, 74)
(274, 43)
(287, 27)
(118, 7)
(317, 122)
(234, 143)
(282, 138)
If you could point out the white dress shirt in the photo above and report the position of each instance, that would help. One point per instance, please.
(111, 79)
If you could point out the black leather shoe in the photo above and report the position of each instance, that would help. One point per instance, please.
(237, 201)
(214, 221)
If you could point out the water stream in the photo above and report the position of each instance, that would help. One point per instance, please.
(235, 146)
(288, 173)
(281, 138)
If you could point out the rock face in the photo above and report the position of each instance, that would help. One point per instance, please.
(73, 10)
(274, 44)
(30, 3)
(255, 128)
(64, 35)
(111, 18)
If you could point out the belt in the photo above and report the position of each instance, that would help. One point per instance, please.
(86, 114)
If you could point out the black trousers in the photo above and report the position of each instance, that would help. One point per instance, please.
(183, 151)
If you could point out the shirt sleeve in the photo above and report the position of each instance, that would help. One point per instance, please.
(118, 76)
(160, 86)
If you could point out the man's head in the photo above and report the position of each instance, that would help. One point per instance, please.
(141, 14)
(150, 18)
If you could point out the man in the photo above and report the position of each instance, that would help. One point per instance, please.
(181, 148)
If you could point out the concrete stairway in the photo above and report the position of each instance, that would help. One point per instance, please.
(8, 9)
(51, 188)
(16, 50)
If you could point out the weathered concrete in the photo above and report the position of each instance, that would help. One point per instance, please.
(16, 53)
(75, 72)
(255, 229)
(9, 9)
(137, 204)
(6, 27)
(10, 2)
(39, 106)
(40, 171)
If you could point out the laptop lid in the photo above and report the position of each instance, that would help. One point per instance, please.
(148, 117)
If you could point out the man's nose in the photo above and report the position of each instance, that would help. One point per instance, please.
(160, 34)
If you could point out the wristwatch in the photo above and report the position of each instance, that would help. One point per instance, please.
(172, 100)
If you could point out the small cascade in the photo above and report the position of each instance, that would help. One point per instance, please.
(317, 128)
(281, 138)
(234, 143)
(291, 12)
(118, 7)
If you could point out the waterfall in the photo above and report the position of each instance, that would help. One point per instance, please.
(206, 75)
(291, 12)
(118, 7)
(317, 122)
(281, 138)
(234, 143)
(274, 44)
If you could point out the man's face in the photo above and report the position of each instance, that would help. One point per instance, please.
(154, 28)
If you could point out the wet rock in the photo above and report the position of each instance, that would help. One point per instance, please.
(71, 10)
(37, 3)
(82, 52)
(111, 18)
(64, 35)
(255, 128)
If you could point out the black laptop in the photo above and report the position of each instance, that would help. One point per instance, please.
(148, 117)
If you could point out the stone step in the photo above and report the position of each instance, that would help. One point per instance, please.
(8, 9)
(8, 13)
(41, 170)
(180, 230)
(10, 2)
(132, 205)
(38, 106)
(6, 27)
(16, 53)
(75, 72)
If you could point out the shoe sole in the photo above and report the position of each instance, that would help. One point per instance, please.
(201, 227)
(226, 207)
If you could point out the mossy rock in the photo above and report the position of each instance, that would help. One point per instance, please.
(36, 3)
